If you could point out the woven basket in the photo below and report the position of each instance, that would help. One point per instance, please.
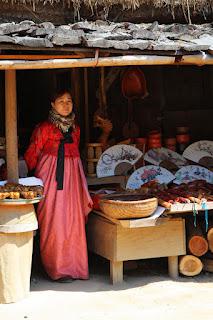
(119, 209)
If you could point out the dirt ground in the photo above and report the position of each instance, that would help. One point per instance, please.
(146, 293)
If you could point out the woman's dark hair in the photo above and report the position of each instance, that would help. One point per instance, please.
(59, 93)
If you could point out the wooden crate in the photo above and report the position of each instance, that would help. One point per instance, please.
(117, 243)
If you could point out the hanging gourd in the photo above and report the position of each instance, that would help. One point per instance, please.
(133, 86)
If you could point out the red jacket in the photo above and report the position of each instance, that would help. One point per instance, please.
(45, 140)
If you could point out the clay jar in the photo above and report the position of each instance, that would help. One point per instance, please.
(154, 139)
(183, 138)
(141, 143)
(182, 135)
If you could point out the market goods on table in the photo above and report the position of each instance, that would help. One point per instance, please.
(148, 173)
(19, 191)
(117, 156)
(194, 196)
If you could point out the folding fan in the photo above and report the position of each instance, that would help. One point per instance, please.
(157, 155)
(119, 156)
(191, 173)
(148, 173)
(198, 150)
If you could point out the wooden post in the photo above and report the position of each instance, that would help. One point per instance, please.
(75, 84)
(173, 267)
(116, 271)
(86, 105)
(11, 126)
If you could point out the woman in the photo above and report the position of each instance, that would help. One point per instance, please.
(53, 153)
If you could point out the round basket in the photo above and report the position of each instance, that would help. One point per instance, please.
(120, 209)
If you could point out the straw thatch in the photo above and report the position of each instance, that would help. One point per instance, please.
(189, 7)
(194, 4)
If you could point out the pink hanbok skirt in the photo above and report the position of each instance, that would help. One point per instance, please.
(62, 216)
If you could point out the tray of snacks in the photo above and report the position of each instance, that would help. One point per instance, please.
(186, 197)
(15, 193)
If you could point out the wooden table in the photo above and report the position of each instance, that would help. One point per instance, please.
(119, 242)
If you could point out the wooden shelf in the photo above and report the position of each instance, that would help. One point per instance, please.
(107, 180)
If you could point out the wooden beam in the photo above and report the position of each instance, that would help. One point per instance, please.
(11, 126)
(199, 60)
(39, 56)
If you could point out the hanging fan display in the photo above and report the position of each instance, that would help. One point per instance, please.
(117, 160)
(198, 150)
(191, 173)
(158, 155)
(149, 173)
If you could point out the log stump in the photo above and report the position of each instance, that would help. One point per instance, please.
(190, 265)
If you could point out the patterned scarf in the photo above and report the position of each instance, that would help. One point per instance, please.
(63, 123)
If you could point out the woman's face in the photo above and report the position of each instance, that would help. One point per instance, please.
(63, 104)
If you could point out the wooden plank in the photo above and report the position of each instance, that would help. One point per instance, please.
(144, 222)
(167, 239)
(135, 223)
(107, 180)
(115, 221)
(37, 56)
(101, 237)
(11, 126)
(116, 271)
(188, 207)
(128, 60)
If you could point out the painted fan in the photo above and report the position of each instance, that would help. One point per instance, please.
(158, 155)
(198, 150)
(117, 160)
(191, 173)
(148, 173)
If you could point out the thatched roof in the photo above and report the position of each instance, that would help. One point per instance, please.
(128, 3)
(186, 5)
